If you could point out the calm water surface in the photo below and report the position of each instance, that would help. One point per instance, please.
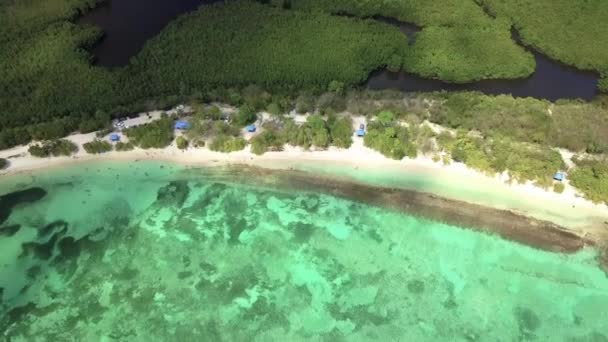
(128, 24)
(155, 252)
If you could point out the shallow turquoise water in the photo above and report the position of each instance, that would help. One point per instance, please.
(149, 252)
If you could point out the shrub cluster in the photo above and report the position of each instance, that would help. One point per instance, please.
(124, 146)
(181, 143)
(97, 146)
(591, 178)
(268, 140)
(156, 134)
(390, 138)
(226, 144)
(53, 148)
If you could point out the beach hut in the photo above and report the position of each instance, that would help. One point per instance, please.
(250, 128)
(182, 125)
(361, 131)
(558, 176)
(114, 137)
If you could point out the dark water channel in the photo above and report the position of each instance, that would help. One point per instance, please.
(551, 80)
(128, 24)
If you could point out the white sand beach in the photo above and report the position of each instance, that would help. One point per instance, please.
(359, 163)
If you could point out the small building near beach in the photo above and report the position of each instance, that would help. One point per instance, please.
(250, 128)
(559, 176)
(361, 131)
(114, 137)
(182, 125)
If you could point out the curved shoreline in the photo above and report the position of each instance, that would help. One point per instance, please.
(507, 224)
(449, 193)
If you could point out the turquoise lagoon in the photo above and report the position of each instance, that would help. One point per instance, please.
(147, 251)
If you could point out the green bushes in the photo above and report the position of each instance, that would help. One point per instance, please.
(268, 140)
(181, 143)
(124, 146)
(341, 131)
(449, 13)
(53, 148)
(559, 188)
(524, 162)
(245, 116)
(568, 31)
(49, 89)
(388, 137)
(468, 54)
(568, 124)
(305, 103)
(156, 134)
(591, 178)
(3, 163)
(276, 49)
(46, 76)
(97, 146)
(603, 84)
(458, 43)
(313, 132)
(331, 103)
(225, 143)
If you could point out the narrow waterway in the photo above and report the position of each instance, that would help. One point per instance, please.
(551, 80)
(128, 24)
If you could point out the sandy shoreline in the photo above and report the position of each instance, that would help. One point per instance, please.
(453, 182)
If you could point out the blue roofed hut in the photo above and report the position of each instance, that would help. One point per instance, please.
(558, 176)
(361, 131)
(251, 128)
(114, 137)
(182, 125)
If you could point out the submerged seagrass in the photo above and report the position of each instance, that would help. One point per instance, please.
(149, 251)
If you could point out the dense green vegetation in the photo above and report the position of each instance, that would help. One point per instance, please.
(524, 162)
(341, 131)
(245, 116)
(299, 54)
(47, 85)
(226, 144)
(24, 18)
(314, 132)
(570, 31)
(390, 138)
(181, 143)
(424, 13)
(268, 140)
(559, 187)
(48, 88)
(124, 146)
(603, 84)
(97, 146)
(275, 48)
(569, 124)
(53, 148)
(591, 178)
(156, 134)
(465, 55)
(458, 42)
